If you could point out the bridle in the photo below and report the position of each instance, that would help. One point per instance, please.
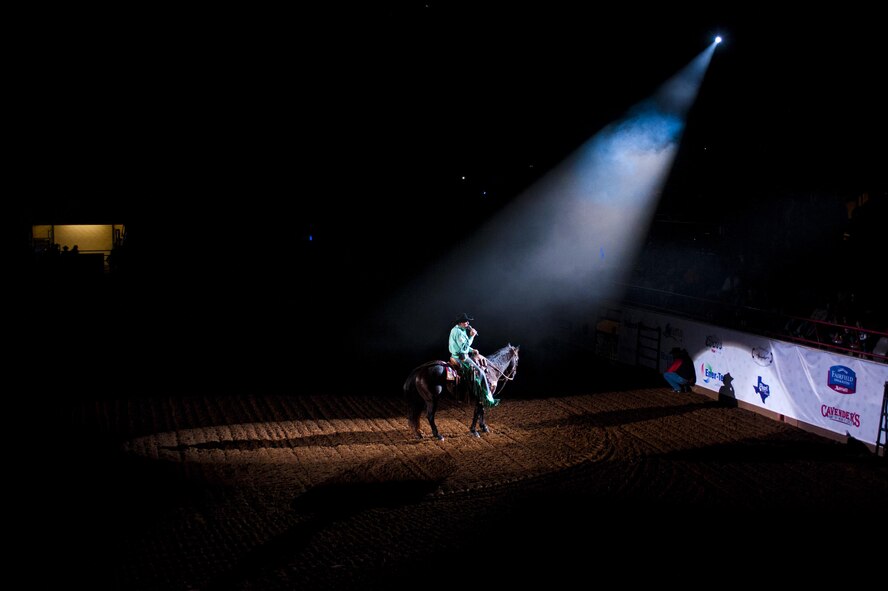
(506, 378)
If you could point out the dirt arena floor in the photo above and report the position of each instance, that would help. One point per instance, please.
(262, 490)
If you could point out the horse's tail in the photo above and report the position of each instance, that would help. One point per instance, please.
(416, 400)
(412, 397)
(410, 382)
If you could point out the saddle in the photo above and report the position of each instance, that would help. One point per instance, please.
(453, 368)
(480, 359)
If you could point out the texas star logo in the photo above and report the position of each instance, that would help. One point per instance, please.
(762, 389)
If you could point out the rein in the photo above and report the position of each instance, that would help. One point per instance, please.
(507, 378)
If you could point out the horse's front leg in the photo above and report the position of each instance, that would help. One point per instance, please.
(479, 414)
(482, 424)
(431, 407)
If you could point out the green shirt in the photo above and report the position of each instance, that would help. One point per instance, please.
(460, 341)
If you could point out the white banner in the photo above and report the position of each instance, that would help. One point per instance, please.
(836, 392)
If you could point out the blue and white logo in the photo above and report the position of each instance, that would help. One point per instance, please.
(842, 379)
(762, 389)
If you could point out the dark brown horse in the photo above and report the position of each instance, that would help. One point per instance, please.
(425, 384)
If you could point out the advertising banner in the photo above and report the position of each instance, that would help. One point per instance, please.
(839, 393)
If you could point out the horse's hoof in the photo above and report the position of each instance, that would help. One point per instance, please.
(474, 433)
(439, 437)
(485, 428)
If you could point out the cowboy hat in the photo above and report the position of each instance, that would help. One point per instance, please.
(463, 318)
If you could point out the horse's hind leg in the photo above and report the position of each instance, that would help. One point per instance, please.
(431, 407)
(430, 395)
(414, 411)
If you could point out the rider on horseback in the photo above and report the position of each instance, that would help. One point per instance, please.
(461, 337)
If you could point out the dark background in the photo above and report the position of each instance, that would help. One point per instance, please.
(284, 173)
(347, 119)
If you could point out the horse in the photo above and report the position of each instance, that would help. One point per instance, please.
(425, 384)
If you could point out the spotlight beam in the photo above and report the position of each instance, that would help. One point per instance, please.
(571, 238)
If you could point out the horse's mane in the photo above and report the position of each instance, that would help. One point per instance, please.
(501, 357)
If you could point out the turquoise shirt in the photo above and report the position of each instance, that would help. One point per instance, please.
(460, 341)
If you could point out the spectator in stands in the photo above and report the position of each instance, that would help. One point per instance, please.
(880, 350)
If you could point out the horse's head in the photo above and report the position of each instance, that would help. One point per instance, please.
(502, 366)
(512, 365)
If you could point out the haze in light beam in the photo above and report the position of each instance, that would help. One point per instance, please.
(565, 242)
